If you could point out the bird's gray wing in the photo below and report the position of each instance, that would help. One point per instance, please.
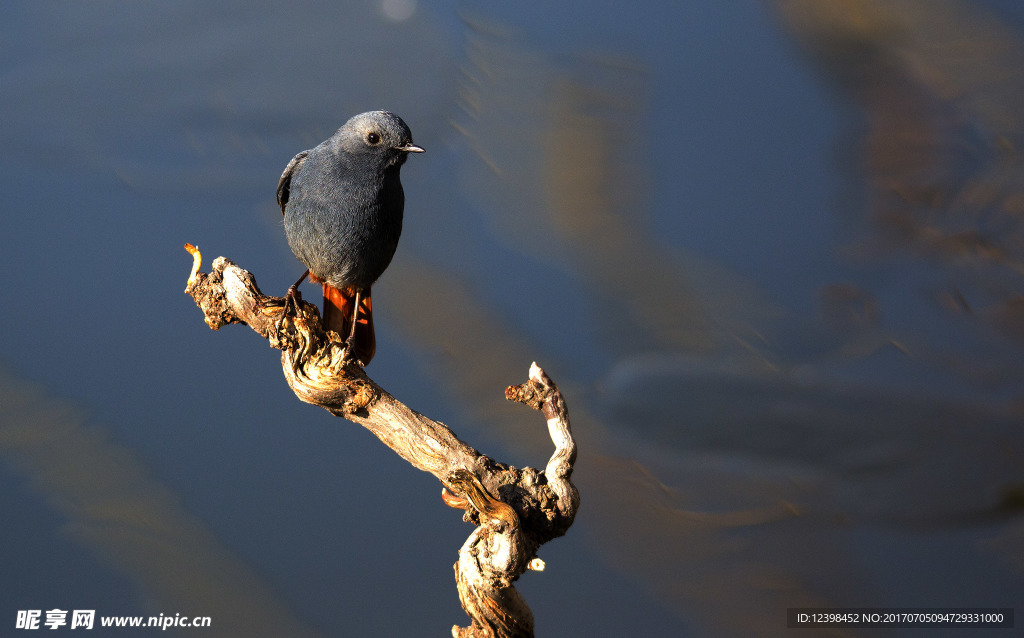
(284, 185)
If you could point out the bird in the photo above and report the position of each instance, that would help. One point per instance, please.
(343, 203)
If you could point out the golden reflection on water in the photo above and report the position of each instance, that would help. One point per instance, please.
(936, 141)
(132, 523)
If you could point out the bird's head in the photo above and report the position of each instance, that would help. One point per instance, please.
(380, 134)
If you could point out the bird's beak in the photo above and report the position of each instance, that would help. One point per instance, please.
(410, 148)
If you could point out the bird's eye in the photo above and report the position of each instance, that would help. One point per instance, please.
(373, 138)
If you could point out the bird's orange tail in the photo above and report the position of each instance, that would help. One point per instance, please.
(339, 307)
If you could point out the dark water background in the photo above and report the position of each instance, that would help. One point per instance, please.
(773, 252)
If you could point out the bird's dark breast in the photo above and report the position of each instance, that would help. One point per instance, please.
(344, 230)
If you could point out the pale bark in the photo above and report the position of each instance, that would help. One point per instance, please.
(515, 510)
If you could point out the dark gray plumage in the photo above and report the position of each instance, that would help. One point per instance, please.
(342, 203)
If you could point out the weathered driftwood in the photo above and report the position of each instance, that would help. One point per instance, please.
(515, 510)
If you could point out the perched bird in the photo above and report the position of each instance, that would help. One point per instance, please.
(342, 204)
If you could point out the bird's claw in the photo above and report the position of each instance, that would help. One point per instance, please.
(292, 299)
(350, 352)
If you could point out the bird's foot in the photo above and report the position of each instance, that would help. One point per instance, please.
(292, 299)
(350, 349)
(351, 354)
